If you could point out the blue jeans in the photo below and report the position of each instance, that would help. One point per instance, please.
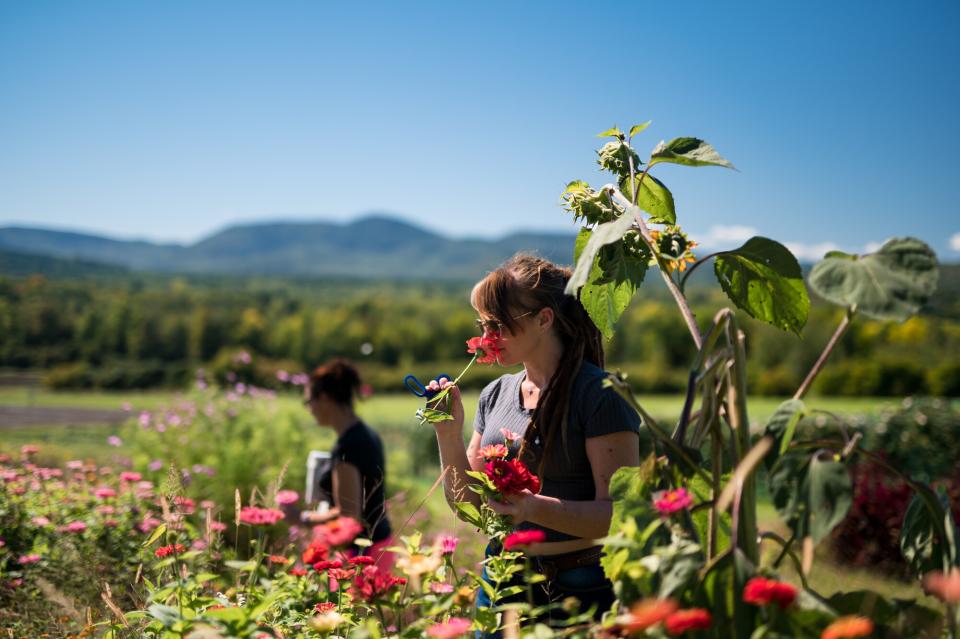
(588, 584)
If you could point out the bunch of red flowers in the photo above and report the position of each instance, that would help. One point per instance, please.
(511, 477)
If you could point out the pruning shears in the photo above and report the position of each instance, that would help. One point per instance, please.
(414, 386)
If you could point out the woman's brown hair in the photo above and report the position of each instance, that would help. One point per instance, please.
(338, 379)
(527, 284)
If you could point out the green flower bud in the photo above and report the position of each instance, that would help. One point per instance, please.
(614, 157)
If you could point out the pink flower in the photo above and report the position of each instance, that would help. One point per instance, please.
(155, 465)
(75, 527)
(130, 476)
(260, 516)
(29, 449)
(40, 520)
(339, 532)
(148, 524)
(28, 559)
(441, 588)
(943, 586)
(450, 629)
(447, 544)
(113, 440)
(523, 538)
(208, 504)
(217, 526)
(105, 493)
(287, 497)
(76, 464)
(671, 501)
(509, 436)
(283, 376)
(111, 523)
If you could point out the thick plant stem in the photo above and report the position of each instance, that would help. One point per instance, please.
(681, 301)
(737, 407)
(825, 355)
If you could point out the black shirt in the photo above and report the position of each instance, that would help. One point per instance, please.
(594, 411)
(360, 446)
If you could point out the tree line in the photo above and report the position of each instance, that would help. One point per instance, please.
(140, 330)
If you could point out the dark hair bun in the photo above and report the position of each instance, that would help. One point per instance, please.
(338, 379)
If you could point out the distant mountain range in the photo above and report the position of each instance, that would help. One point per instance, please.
(375, 246)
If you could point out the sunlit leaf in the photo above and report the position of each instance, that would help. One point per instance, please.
(637, 128)
(654, 198)
(689, 152)
(611, 132)
(763, 278)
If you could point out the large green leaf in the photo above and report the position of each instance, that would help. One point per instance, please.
(689, 152)
(831, 493)
(892, 283)
(613, 280)
(763, 278)
(812, 495)
(589, 244)
(654, 198)
(928, 537)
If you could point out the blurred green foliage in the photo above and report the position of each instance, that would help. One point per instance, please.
(142, 331)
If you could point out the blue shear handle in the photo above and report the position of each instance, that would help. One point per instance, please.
(414, 386)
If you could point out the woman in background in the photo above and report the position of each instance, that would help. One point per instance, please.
(355, 479)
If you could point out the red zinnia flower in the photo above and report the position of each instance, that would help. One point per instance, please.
(684, 620)
(325, 606)
(523, 538)
(341, 574)
(362, 560)
(372, 583)
(172, 549)
(320, 566)
(298, 572)
(850, 627)
(277, 559)
(761, 592)
(317, 551)
(511, 477)
(485, 348)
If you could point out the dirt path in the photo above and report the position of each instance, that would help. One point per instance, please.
(13, 416)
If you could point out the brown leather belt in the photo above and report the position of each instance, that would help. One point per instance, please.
(552, 565)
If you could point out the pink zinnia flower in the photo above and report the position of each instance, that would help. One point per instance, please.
(29, 449)
(509, 436)
(113, 440)
(671, 501)
(450, 629)
(130, 476)
(28, 559)
(447, 544)
(494, 451)
(441, 588)
(105, 493)
(75, 464)
(75, 527)
(260, 516)
(217, 526)
(287, 497)
(40, 520)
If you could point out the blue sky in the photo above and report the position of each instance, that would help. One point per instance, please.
(169, 121)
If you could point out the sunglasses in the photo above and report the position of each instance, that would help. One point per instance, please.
(495, 327)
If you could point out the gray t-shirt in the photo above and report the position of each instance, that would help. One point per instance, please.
(594, 411)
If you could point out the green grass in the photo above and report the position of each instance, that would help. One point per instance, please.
(395, 407)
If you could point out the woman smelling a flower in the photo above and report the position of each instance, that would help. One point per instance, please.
(555, 416)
